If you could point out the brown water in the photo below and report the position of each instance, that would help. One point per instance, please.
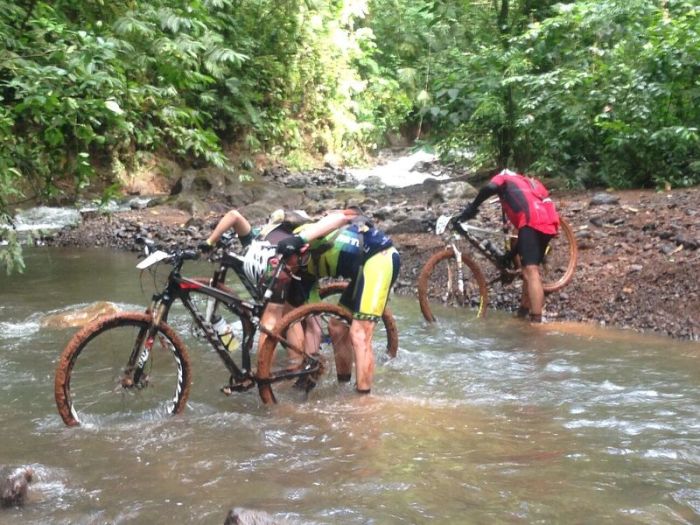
(475, 422)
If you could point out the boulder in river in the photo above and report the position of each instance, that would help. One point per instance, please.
(14, 485)
(79, 316)
(240, 516)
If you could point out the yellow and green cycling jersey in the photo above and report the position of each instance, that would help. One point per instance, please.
(357, 252)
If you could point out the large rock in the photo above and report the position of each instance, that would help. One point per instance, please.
(79, 316)
(191, 203)
(420, 222)
(206, 180)
(455, 191)
(600, 199)
(14, 485)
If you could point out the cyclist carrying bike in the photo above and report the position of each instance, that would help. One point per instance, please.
(526, 204)
(345, 244)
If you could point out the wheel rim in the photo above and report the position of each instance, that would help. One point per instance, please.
(275, 358)
(438, 284)
(559, 264)
(95, 389)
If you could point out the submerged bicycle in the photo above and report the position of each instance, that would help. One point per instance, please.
(454, 276)
(135, 363)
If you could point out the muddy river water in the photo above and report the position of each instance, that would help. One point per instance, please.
(486, 421)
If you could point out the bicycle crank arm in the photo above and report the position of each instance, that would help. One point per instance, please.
(283, 375)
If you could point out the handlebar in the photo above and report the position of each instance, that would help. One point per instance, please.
(174, 255)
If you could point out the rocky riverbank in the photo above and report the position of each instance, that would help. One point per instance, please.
(638, 250)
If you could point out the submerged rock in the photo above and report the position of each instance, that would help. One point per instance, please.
(239, 516)
(79, 316)
(14, 485)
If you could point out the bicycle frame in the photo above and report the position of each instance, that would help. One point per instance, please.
(235, 262)
(249, 312)
(482, 245)
(180, 287)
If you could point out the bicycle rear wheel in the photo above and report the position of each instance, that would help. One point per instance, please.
(96, 381)
(439, 280)
(560, 258)
(281, 356)
(387, 330)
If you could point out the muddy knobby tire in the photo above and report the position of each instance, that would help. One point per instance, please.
(274, 350)
(89, 384)
(438, 282)
(560, 259)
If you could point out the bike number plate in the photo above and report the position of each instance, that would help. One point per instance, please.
(152, 259)
(441, 224)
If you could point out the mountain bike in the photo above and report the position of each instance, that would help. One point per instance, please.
(226, 260)
(136, 364)
(386, 335)
(454, 276)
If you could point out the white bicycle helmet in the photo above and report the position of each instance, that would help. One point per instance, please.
(256, 259)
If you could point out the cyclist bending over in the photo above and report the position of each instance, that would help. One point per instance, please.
(526, 204)
(345, 244)
(260, 246)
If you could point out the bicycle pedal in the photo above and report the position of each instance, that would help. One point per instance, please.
(243, 386)
(305, 383)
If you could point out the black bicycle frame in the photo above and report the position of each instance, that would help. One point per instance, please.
(249, 312)
(235, 262)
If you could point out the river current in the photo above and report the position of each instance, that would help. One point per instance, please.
(476, 421)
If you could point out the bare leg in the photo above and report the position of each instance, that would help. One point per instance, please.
(525, 296)
(342, 349)
(312, 336)
(271, 315)
(232, 219)
(533, 292)
(361, 332)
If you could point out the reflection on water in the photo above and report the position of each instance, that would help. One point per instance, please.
(488, 421)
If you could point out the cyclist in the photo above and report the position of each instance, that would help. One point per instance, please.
(260, 246)
(341, 244)
(526, 203)
(346, 244)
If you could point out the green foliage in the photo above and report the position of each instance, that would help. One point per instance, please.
(597, 91)
(611, 93)
(10, 249)
(601, 92)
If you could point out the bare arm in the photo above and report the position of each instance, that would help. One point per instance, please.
(327, 224)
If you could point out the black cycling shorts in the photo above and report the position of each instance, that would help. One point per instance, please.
(532, 245)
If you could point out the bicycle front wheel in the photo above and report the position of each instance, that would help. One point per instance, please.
(282, 360)
(560, 258)
(388, 331)
(440, 280)
(106, 373)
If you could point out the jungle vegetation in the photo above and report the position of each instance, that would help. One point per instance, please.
(597, 92)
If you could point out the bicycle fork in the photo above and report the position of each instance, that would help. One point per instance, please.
(134, 374)
(460, 273)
